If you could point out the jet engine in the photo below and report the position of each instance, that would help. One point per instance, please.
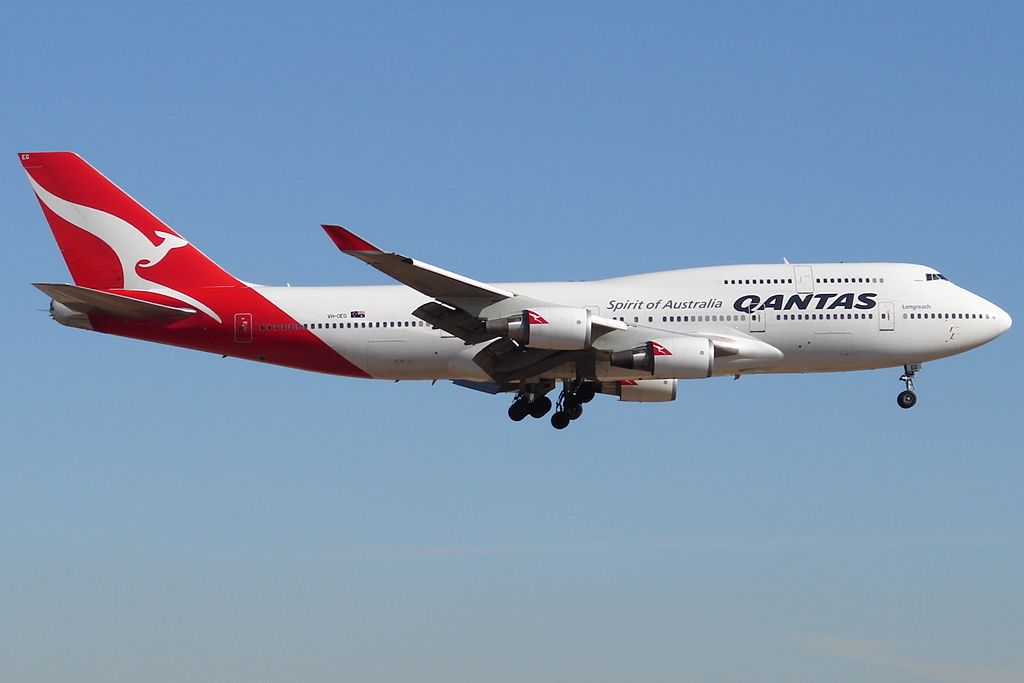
(557, 328)
(642, 390)
(681, 357)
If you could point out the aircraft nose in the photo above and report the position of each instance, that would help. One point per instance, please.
(1003, 319)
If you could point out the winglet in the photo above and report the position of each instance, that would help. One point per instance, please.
(346, 240)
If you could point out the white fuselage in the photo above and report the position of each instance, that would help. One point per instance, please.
(822, 317)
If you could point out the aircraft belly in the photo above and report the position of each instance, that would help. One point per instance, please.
(420, 355)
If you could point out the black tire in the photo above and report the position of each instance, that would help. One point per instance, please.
(573, 409)
(559, 420)
(906, 399)
(586, 393)
(518, 410)
(540, 406)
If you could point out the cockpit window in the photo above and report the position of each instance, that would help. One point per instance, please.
(935, 276)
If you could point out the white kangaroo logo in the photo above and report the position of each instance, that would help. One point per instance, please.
(131, 246)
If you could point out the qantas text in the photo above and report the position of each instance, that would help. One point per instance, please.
(803, 302)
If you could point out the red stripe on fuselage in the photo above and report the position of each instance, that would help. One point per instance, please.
(295, 348)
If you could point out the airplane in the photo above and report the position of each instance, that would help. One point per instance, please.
(633, 337)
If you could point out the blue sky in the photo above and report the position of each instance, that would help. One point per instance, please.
(170, 515)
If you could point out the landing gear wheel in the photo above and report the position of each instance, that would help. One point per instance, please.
(573, 409)
(519, 409)
(540, 406)
(906, 399)
(560, 419)
(586, 392)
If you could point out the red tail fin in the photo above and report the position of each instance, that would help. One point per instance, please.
(108, 239)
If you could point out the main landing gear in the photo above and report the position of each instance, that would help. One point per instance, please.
(570, 403)
(569, 406)
(907, 398)
(535, 405)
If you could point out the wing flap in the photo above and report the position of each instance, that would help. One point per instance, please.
(505, 361)
(454, 321)
(87, 301)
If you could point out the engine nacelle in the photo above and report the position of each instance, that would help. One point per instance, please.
(680, 357)
(642, 390)
(556, 328)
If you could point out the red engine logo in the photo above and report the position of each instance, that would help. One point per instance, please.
(659, 350)
(536, 318)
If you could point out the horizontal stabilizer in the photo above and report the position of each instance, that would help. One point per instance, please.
(85, 300)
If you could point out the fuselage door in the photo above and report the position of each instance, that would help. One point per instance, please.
(243, 328)
(803, 278)
(757, 321)
(886, 316)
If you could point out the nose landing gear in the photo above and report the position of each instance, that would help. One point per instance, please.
(907, 398)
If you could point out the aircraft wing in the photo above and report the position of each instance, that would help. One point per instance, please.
(464, 299)
(435, 282)
(461, 307)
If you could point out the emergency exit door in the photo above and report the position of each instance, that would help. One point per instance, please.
(886, 316)
(803, 278)
(243, 328)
